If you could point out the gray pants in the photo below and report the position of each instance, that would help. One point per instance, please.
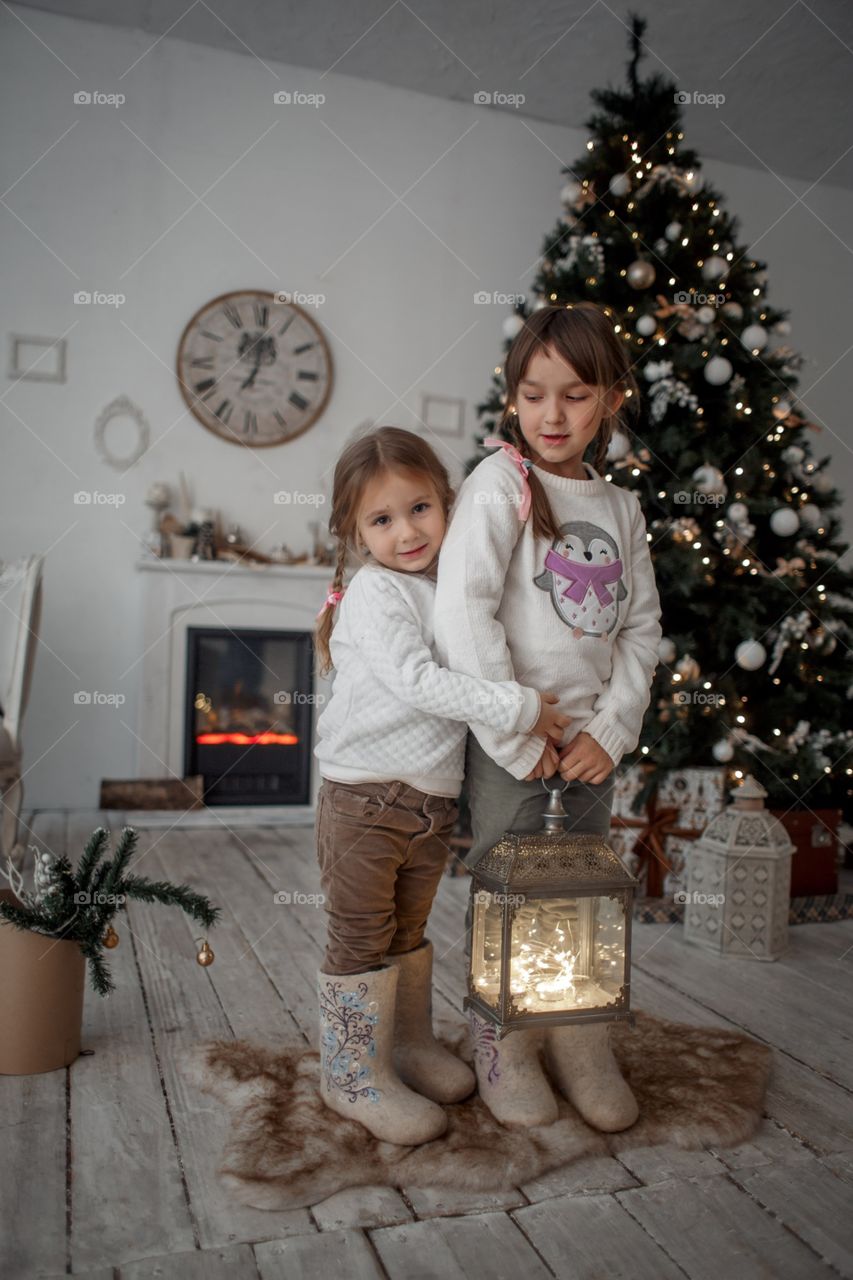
(499, 802)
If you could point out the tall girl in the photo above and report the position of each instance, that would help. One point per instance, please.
(545, 575)
(391, 752)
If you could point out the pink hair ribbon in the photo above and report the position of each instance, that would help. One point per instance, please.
(523, 464)
(333, 598)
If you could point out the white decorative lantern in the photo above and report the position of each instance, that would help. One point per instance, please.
(739, 880)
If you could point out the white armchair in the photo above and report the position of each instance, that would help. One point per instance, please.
(20, 617)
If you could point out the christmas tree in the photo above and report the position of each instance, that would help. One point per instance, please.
(742, 517)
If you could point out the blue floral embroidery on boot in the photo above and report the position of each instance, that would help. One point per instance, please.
(485, 1047)
(348, 1022)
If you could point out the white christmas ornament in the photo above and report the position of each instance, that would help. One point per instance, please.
(821, 483)
(717, 371)
(673, 231)
(793, 454)
(738, 513)
(782, 409)
(722, 751)
(667, 650)
(810, 515)
(618, 447)
(715, 268)
(640, 274)
(570, 193)
(733, 310)
(646, 326)
(706, 315)
(709, 480)
(619, 184)
(754, 337)
(750, 654)
(784, 521)
(782, 326)
(512, 326)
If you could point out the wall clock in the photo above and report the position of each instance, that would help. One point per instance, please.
(255, 371)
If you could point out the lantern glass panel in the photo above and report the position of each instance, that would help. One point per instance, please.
(567, 952)
(486, 947)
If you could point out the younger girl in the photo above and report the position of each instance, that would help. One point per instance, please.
(546, 574)
(391, 751)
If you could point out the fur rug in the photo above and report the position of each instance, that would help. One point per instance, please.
(695, 1086)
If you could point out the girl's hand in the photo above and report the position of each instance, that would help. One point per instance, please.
(583, 759)
(547, 765)
(550, 723)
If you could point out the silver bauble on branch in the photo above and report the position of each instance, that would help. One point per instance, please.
(732, 310)
(810, 515)
(673, 231)
(706, 315)
(570, 193)
(822, 483)
(667, 650)
(711, 480)
(512, 326)
(793, 455)
(750, 655)
(738, 513)
(717, 371)
(640, 274)
(715, 268)
(619, 185)
(722, 751)
(784, 521)
(618, 447)
(754, 337)
(646, 326)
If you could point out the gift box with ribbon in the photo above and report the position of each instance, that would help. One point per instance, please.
(653, 844)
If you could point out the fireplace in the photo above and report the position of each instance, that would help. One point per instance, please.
(248, 712)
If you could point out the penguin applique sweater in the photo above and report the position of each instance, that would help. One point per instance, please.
(578, 617)
(394, 713)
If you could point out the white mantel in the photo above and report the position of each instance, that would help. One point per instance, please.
(178, 594)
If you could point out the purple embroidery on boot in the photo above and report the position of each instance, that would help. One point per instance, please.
(348, 1022)
(485, 1047)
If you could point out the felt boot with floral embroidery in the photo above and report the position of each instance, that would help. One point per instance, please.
(510, 1077)
(357, 1077)
(582, 1064)
(421, 1062)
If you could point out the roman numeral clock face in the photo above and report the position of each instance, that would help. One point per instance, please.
(255, 371)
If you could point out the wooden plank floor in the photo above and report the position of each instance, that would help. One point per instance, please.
(108, 1168)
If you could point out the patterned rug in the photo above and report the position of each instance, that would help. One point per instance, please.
(696, 1086)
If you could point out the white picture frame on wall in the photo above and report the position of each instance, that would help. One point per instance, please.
(36, 359)
(444, 415)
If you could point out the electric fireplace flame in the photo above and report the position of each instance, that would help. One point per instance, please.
(267, 739)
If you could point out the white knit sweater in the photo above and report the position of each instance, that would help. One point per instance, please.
(579, 617)
(395, 714)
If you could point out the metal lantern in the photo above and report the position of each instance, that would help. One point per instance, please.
(739, 880)
(551, 928)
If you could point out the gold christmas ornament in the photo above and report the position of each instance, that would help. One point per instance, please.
(205, 956)
(111, 938)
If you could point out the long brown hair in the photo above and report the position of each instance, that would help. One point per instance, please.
(582, 334)
(381, 450)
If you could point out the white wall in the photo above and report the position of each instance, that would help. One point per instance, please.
(399, 312)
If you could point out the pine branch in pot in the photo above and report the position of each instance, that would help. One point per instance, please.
(48, 935)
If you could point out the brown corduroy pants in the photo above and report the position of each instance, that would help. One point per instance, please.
(382, 847)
